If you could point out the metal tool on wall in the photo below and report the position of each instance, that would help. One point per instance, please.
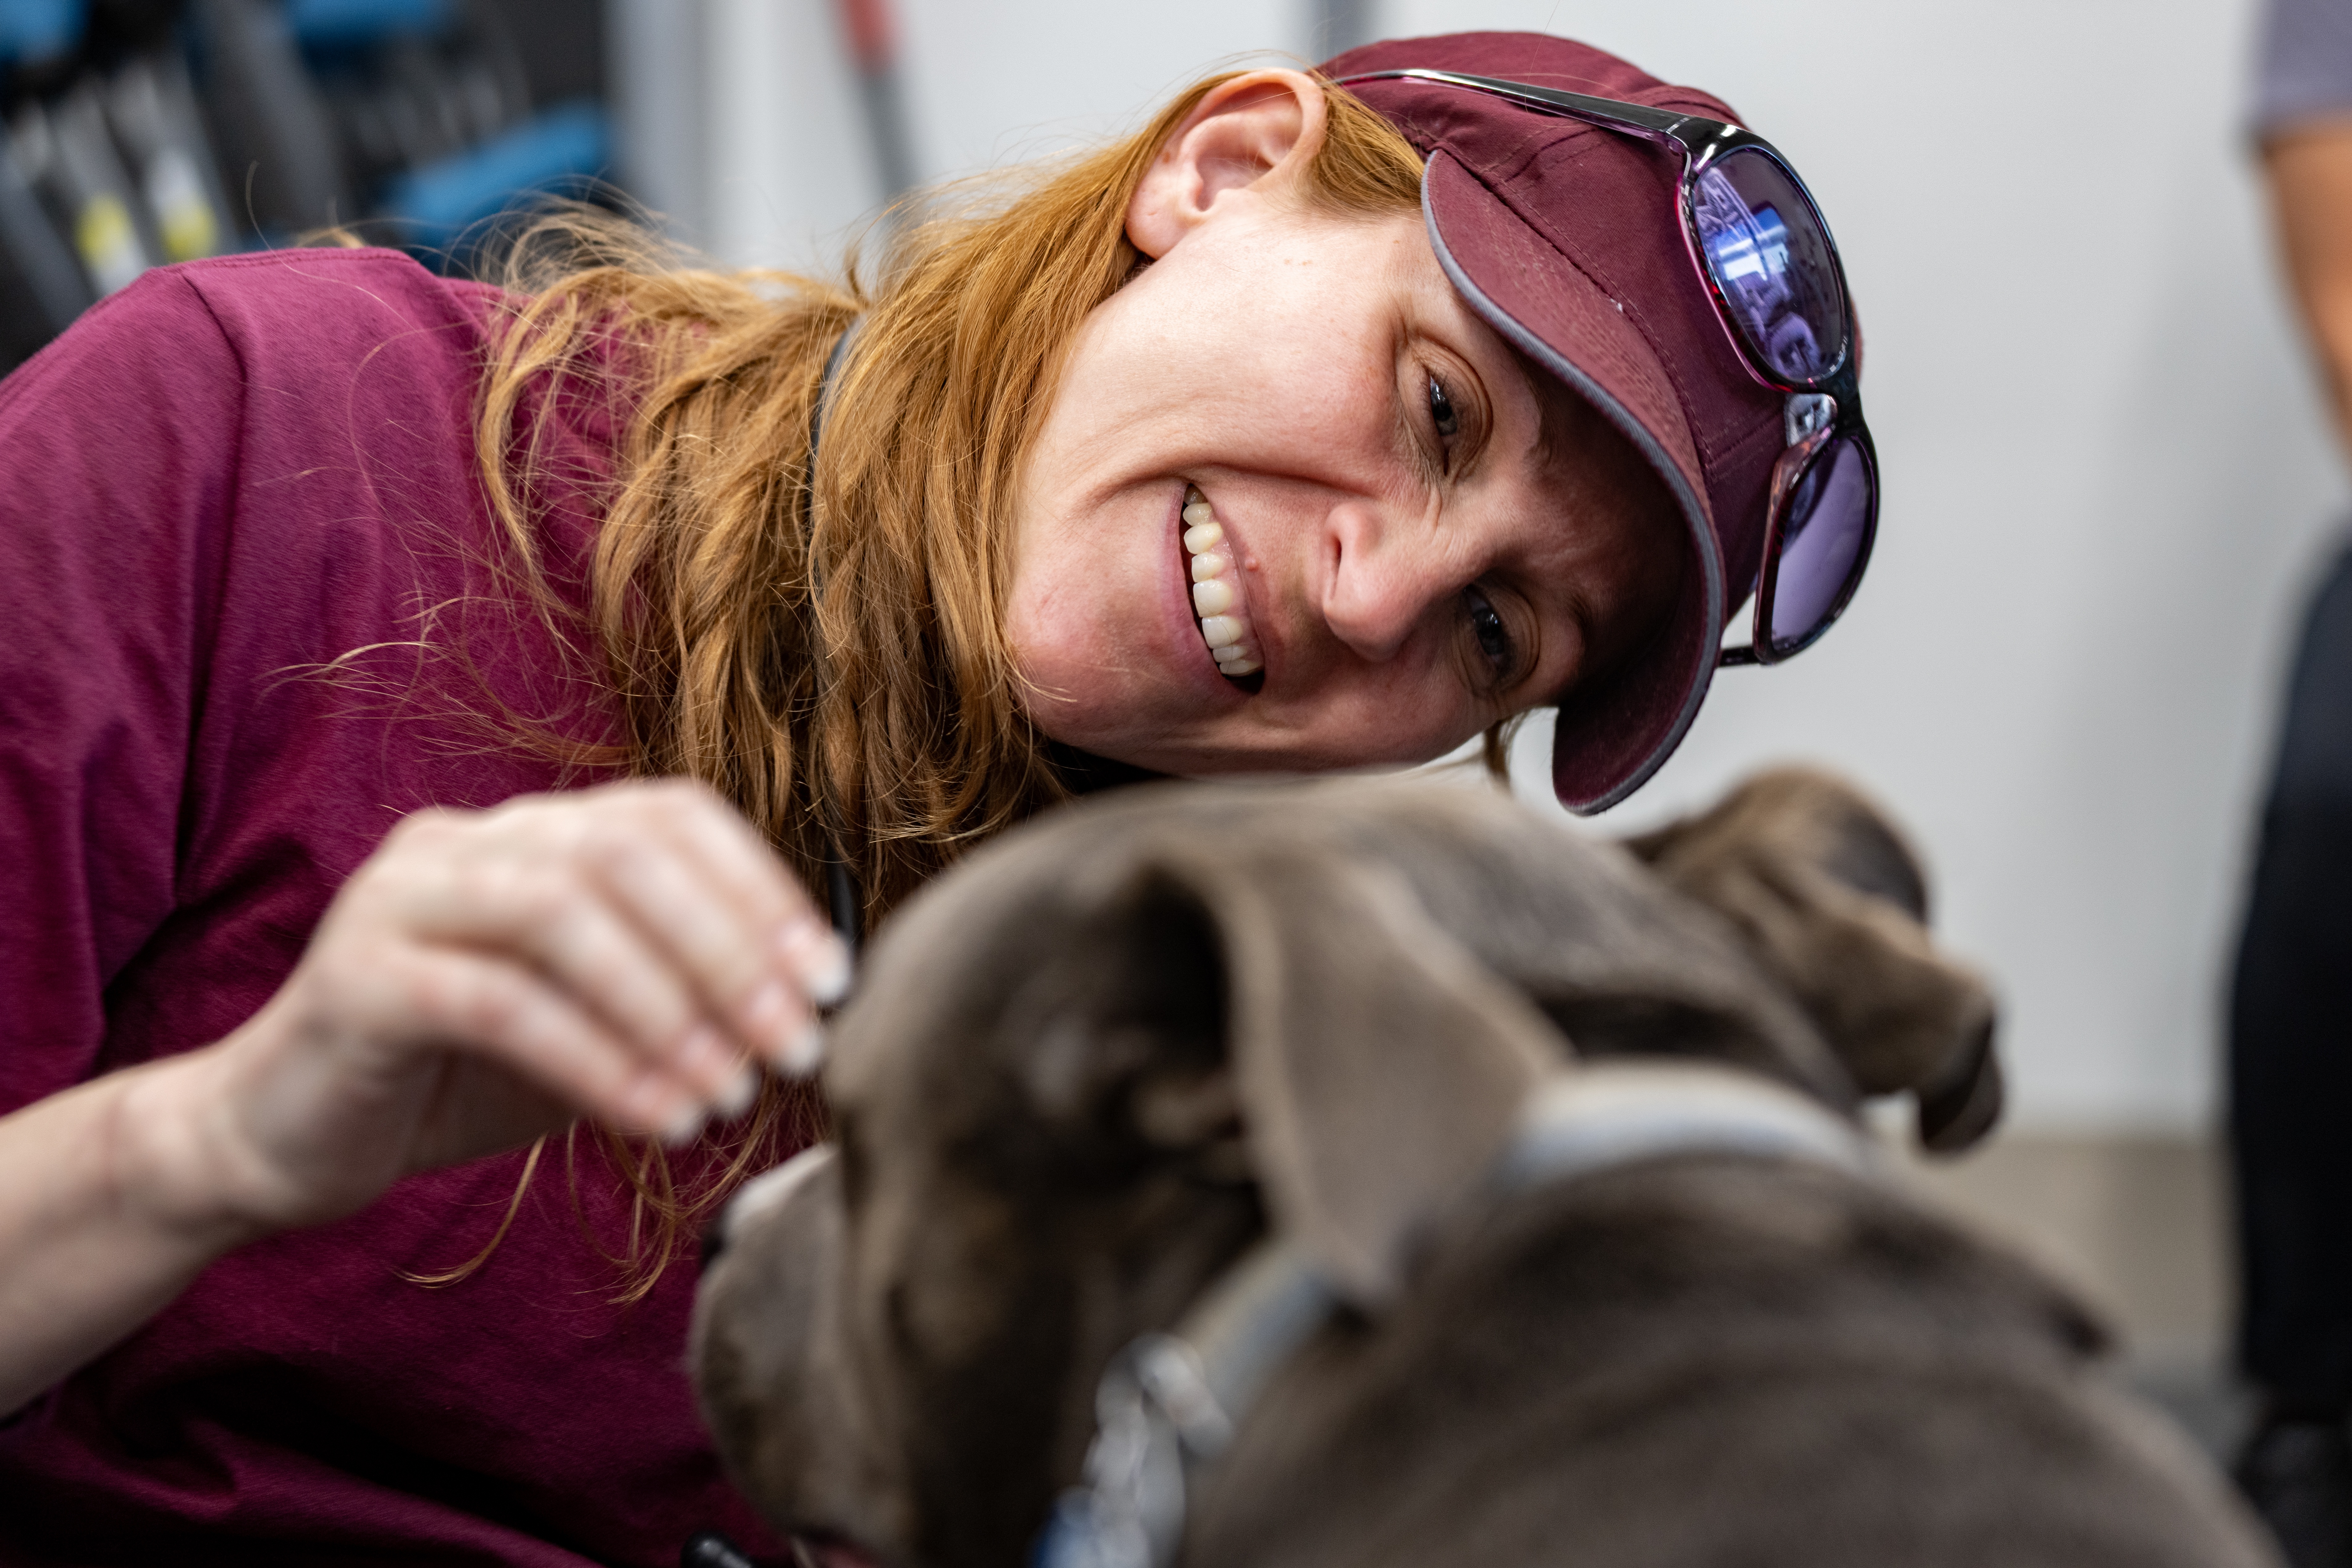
(152, 106)
(105, 165)
(138, 133)
(67, 150)
(41, 283)
(278, 148)
(872, 33)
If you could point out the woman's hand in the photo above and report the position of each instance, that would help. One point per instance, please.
(485, 977)
(629, 952)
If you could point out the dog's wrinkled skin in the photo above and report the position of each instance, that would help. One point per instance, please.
(1088, 1069)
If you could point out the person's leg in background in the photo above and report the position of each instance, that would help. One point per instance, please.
(2291, 1106)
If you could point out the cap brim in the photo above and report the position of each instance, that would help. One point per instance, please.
(1615, 731)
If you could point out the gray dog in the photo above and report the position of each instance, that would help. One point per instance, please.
(1356, 1174)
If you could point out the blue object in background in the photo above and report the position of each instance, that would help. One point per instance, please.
(41, 29)
(571, 142)
(343, 24)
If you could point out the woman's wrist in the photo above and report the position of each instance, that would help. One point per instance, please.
(175, 1163)
(113, 1195)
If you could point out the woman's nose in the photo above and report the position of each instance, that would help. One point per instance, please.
(1386, 573)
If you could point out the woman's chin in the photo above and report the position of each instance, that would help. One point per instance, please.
(1134, 721)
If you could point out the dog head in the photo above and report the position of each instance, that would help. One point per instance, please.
(1086, 1071)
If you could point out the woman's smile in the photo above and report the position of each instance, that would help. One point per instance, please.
(1220, 594)
(1184, 641)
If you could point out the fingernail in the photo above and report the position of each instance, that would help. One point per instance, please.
(684, 1128)
(829, 974)
(804, 1052)
(820, 958)
(736, 1098)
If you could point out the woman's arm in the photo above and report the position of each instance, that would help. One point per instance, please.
(106, 1217)
(2310, 175)
(487, 977)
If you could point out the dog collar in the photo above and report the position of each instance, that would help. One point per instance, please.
(1171, 1402)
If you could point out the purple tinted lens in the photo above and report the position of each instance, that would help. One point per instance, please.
(1769, 254)
(1822, 542)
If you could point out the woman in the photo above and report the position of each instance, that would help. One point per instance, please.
(1307, 428)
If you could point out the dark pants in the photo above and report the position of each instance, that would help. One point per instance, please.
(2291, 1040)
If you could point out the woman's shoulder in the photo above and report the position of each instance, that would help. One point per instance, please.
(299, 302)
(290, 316)
(309, 331)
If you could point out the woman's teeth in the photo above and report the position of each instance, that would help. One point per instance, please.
(1217, 591)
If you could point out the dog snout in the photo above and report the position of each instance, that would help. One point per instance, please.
(763, 1193)
(773, 1366)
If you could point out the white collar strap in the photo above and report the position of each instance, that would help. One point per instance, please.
(1598, 1117)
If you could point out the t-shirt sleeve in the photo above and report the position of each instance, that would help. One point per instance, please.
(2303, 63)
(117, 444)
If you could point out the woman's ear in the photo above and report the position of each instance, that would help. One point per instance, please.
(1261, 126)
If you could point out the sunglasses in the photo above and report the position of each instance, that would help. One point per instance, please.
(1757, 239)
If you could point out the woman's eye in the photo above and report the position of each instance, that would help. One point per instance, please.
(1493, 636)
(1442, 412)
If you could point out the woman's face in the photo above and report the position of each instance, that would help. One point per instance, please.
(1416, 542)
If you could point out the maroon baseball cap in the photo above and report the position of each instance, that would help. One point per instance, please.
(1568, 240)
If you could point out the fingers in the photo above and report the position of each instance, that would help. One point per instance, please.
(535, 1027)
(644, 936)
(736, 857)
(730, 958)
(774, 1013)
(705, 887)
(593, 953)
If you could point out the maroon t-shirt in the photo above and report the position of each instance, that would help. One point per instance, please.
(219, 483)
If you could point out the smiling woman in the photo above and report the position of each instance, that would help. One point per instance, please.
(1409, 532)
(446, 704)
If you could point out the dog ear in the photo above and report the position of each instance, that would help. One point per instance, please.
(1118, 1028)
(1825, 892)
(1378, 1068)
(1382, 1068)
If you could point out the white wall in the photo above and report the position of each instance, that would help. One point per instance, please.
(740, 123)
(2106, 474)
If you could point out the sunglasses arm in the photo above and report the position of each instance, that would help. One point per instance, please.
(1695, 136)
